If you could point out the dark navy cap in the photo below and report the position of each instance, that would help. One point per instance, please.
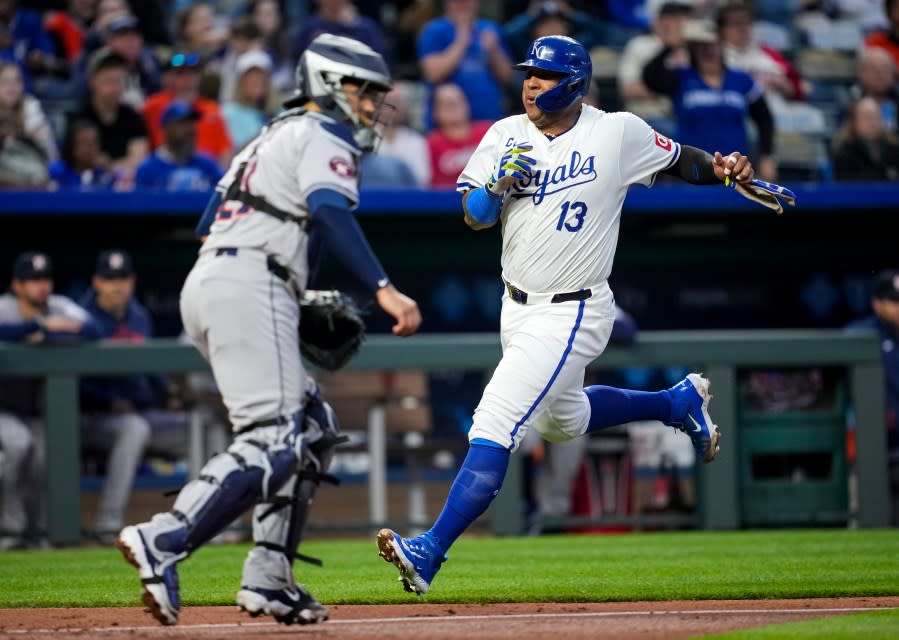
(121, 24)
(32, 265)
(886, 285)
(114, 263)
(178, 111)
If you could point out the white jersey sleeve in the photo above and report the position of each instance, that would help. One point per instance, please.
(330, 162)
(644, 151)
(59, 305)
(480, 165)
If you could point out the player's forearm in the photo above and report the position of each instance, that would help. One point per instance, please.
(344, 239)
(694, 166)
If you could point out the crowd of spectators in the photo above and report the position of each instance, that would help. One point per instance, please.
(87, 86)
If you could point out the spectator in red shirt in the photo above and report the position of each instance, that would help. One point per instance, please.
(181, 82)
(68, 27)
(455, 137)
(887, 38)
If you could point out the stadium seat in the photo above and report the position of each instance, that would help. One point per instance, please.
(774, 35)
(823, 64)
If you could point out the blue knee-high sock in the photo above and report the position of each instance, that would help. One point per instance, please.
(474, 488)
(610, 406)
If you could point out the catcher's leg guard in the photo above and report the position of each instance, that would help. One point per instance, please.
(268, 585)
(254, 467)
(279, 525)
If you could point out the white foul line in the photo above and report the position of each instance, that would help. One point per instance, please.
(454, 618)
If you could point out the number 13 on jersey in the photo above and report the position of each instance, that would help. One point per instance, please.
(574, 221)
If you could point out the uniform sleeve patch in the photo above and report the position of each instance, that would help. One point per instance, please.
(662, 141)
(342, 167)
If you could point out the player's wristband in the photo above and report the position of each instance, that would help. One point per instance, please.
(483, 205)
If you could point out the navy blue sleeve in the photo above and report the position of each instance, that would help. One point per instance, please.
(16, 331)
(91, 329)
(208, 217)
(341, 235)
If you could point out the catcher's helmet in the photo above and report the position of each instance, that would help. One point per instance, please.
(562, 55)
(327, 62)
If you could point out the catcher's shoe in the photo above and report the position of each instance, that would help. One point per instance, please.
(157, 573)
(285, 605)
(418, 559)
(690, 401)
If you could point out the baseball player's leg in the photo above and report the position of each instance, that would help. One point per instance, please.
(268, 585)
(545, 349)
(254, 468)
(245, 318)
(17, 445)
(125, 437)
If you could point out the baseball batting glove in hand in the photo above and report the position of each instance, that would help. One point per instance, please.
(765, 193)
(512, 167)
(331, 328)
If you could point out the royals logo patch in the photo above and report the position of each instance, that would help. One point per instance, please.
(342, 167)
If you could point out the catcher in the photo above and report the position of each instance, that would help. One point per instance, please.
(240, 307)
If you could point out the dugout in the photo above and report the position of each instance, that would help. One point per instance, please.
(792, 459)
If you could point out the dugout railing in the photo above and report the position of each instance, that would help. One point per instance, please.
(720, 354)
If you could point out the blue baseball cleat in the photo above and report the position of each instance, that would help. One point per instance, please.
(157, 573)
(418, 559)
(690, 406)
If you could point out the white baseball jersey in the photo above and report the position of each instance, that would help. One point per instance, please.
(296, 157)
(560, 232)
(560, 226)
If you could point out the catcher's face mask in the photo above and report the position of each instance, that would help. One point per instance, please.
(370, 113)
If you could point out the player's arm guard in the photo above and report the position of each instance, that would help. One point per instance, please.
(482, 207)
(331, 328)
(694, 165)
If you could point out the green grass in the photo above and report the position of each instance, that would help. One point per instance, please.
(874, 625)
(638, 566)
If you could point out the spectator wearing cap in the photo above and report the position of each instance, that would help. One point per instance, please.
(711, 101)
(181, 83)
(22, 164)
(667, 18)
(124, 137)
(117, 409)
(30, 313)
(176, 165)
(549, 18)
(461, 48)
(121, 34)
(884, 319)
(248, 111)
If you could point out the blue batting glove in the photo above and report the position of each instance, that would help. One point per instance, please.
(512, 167)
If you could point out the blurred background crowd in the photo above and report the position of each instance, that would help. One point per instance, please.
(124, 94)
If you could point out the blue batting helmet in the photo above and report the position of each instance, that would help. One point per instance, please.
(560, 54)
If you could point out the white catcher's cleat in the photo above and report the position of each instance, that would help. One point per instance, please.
(157, 574)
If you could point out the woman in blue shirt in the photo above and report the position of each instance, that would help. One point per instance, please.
(711, 102)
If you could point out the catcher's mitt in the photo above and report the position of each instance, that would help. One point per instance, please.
(331, 328)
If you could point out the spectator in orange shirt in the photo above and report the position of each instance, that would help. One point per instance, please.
(181, 82)
(887, 38)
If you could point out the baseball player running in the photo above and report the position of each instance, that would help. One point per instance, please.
(239, 305)
(556, 178)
